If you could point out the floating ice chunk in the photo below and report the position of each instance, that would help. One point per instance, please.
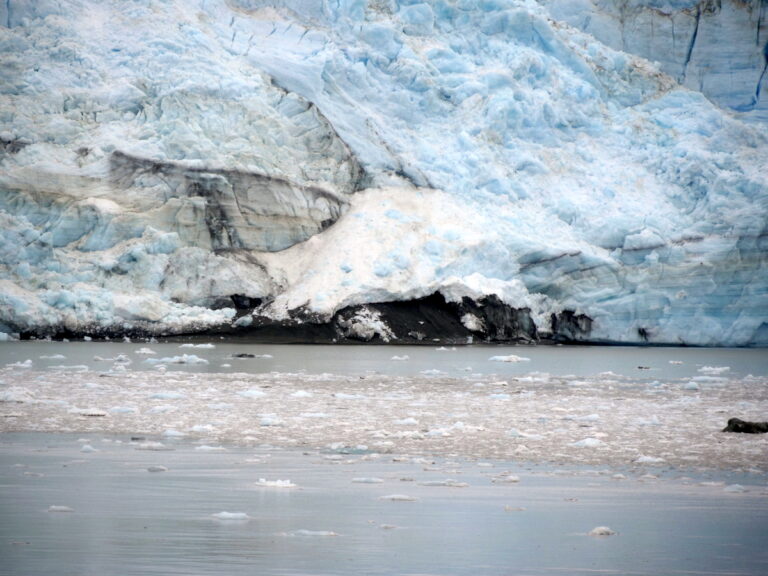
(499, 396)
(714, 370)
(201, 428)
(236, 516)
(207, 448)
(399, 498)
(90, 412)
(587, 443)
(407, 422)
(310, 533)
(649, 460)
(264, 483)
(157, 469)
(170, 433)
(54, 357)
(220, 406)
(70, 368)
(145, 351)
(87, 449)
(206, 346)
(153, 446)
(515, 433)
(691, 385)
(252, 393)
(162, 409)
(302, 394)
(183, 359)
(270, 420)
(652, 421)
(588, 418)
(17, 395)
(368, 480)
(432, 372)
(169, 395)
(405, 357)
(510, 358)
(56, 508)
(25, 364)
(506, 479)
(450, 483)
(601, 531)
(734, 488)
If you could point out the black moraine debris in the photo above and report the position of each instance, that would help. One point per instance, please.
(744, 427)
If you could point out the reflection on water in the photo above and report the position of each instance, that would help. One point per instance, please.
(126, 520)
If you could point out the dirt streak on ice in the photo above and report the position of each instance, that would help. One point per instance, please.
(604, 420)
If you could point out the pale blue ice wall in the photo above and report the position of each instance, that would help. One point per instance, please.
(154, 152)
(718, 47)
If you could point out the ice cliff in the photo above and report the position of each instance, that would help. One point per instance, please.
(587, 170)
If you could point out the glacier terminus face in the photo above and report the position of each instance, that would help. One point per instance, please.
(587, 171)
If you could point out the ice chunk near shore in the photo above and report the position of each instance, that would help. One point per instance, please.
(601, 531)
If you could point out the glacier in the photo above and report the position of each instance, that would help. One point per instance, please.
(590, 171)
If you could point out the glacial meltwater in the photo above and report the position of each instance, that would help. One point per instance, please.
(213, 457)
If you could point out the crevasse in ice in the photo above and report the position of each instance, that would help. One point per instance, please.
(158, 158)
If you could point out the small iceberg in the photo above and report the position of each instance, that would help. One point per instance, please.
(601, 531)
(510, 358)
(263, 483)
(399, 498)
(231, 516)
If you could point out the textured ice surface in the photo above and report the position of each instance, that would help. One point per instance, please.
(157, 160)
(606, 419)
